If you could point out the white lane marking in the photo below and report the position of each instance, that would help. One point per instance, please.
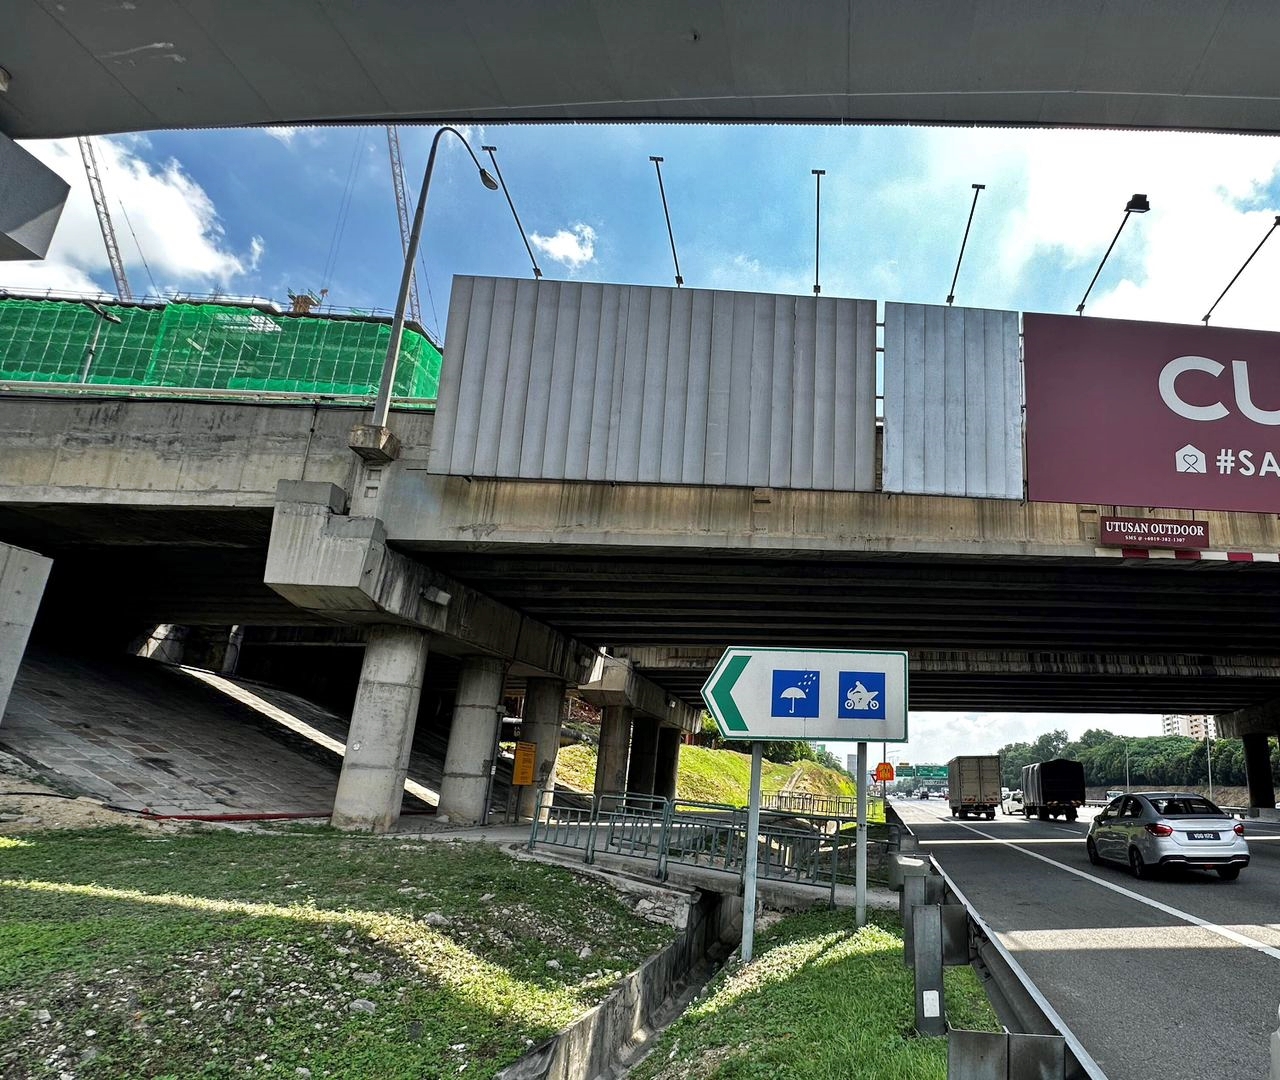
(1195, 920)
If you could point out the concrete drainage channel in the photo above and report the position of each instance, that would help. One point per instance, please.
(613, 1035)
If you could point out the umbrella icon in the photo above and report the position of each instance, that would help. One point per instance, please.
(793, 694)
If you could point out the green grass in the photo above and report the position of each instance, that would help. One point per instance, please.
(715, 776)
(822, 1000)
(219, 954)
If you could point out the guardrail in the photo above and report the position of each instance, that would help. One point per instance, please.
(942, 929)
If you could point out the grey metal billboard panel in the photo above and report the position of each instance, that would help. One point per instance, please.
(952, 401)
(567, 380)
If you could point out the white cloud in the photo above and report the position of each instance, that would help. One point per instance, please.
(285, 135)
(1061, 195)
(574, 247)
(175, 222)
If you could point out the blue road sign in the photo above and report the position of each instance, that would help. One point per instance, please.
(861, 696)
(796, 693)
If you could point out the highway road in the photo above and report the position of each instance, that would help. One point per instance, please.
(1175, 978)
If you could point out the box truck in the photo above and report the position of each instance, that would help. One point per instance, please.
(973, 785)
(1050, 788)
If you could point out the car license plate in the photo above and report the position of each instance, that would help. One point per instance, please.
(1202, 836)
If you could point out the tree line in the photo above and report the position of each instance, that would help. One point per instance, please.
(1162, 760)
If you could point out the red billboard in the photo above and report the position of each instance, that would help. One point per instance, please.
(1151, 414)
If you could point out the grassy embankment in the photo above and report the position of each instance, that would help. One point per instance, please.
(305, 952)
(217, 954)
(822, 1000)
(719, 776)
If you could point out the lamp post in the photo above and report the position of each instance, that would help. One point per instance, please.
(103, 316)
(1208, 753)
(1126, 766)
(1138, 204)
(382, 404)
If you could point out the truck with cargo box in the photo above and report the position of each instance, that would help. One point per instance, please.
(1050, 788)
(973, 785)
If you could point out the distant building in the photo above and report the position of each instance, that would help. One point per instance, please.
(1197, 725)
(851, 763)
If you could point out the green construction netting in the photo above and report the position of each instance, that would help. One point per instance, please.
(207, 346)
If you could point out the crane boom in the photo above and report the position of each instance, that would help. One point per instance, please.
(402, 215)
(104, 218)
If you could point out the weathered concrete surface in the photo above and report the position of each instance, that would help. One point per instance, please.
(614, 681)
(22, 579)
(543, 712)
(450, 510)
(468, 760)
(61, 449)
(376, 762)
(341, 567)
(615, 743)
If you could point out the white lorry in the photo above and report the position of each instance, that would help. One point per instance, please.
(973, 784)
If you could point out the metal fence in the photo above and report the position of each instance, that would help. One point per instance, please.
(805, 848)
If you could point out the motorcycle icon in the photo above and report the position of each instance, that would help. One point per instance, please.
(860, 698)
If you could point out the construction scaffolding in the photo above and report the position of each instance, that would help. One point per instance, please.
(215, 346)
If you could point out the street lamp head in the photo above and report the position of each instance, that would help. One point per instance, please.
(1137, 205)
(487, 180)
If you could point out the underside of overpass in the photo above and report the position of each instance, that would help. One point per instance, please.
(79, 69)
(1055, 635)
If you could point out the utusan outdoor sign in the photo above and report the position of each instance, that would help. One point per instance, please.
(1152, 533)
(1152, 414)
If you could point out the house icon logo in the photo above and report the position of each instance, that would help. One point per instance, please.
(1189, 459)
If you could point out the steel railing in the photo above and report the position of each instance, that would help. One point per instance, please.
(817, 850)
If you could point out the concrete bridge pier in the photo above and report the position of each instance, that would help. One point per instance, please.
(1257, 767)
(371, 786)
(468, 761)
(668, 762)
(643, 766)
(543, 711)
(615, 743)
(22, 579)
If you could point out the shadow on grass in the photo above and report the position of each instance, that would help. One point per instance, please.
(210, 954)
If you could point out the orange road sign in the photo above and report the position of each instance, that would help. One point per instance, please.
(522, 774)
(884, 771)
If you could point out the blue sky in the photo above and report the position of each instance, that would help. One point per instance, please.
(263, 212)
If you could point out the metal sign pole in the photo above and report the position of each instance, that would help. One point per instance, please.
(860, 860)
(753, 853)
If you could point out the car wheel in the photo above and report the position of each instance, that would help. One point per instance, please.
(1138, 864)
(1092, 849)
(991, 815)
(1228, 873)
(1072, 815)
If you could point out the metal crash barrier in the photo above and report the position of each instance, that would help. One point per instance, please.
(941, 929)
(805, 848)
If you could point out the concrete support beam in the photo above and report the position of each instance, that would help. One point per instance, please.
(468, 761)
(543, 710)
(614, 682)
(643, 765)
(32, 196)
(668, 763)
(371, 786)
(22, 579)
(338, 566)
(1257, 767)
(615, 741)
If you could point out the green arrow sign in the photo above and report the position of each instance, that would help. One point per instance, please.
(764, 693)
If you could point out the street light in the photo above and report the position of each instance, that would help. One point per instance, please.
(382, 405)
(1136, 205)
(103, 316)
(1126, 766)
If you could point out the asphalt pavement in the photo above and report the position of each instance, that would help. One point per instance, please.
(1174, 978)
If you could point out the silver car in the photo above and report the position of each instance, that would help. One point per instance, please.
(1168, 828)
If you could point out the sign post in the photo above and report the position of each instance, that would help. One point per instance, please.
(762, 693)
(753, 853)
(860, 857)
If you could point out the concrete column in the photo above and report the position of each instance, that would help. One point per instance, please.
(644, 756)
(615, 739)
(543, 707)
(668, 763)
(22, 579)
(371, 787)
(468, 762)
(1257, 767)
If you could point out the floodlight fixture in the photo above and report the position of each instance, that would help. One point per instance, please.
(1137, 204)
